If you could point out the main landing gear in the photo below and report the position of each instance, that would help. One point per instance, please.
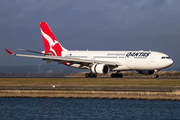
(90, 75)
(117, 75)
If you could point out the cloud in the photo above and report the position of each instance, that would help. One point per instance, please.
(92, 24)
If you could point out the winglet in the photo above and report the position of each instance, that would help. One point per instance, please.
(9, 52)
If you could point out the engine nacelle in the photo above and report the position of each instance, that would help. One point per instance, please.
(100, 68)
(146, 72)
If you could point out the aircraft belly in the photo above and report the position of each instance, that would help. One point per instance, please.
(120, 68)
(79, 66)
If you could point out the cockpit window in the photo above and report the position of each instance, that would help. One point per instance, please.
(165, 57)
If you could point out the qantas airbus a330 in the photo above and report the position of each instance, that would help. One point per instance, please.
(99, 62)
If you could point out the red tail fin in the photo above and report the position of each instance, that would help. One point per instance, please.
(50, 42)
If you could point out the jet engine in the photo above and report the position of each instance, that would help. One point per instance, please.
(146, 72)
(100, 68)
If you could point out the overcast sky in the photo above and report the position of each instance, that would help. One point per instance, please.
(90, 24)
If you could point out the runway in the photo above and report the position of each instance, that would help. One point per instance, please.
(92, 88)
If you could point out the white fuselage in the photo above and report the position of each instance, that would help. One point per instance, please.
(127, 60)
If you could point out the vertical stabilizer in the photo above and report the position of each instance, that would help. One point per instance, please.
(51, 44)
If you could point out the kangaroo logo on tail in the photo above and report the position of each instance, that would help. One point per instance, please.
(50, 42)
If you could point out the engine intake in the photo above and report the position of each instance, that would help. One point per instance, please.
(146, 72)
(100, 68)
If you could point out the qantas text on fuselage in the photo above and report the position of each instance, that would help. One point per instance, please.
(99, 62)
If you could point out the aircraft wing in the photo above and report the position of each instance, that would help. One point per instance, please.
(70, 60)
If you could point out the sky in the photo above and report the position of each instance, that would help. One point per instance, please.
(90, 24)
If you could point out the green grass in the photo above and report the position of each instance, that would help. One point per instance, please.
(88, 81)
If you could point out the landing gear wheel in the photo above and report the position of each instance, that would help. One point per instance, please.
(116, 75)
(156, 76)
(120, 75)
(112, 75)
(90, 75)
(86, 75)
(95, 75)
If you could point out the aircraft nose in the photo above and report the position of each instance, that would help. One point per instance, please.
(170, 62)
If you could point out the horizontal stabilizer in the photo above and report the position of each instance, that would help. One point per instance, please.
(35, 52)
(9, 51)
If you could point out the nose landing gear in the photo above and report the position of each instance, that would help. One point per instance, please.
(156, 74)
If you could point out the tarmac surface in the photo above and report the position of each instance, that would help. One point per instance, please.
(139, 88)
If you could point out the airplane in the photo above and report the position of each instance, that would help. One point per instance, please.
(99, 62)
